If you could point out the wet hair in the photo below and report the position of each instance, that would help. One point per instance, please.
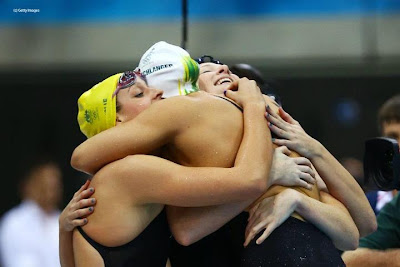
(208, 59)
(268, 87)
(389, 111)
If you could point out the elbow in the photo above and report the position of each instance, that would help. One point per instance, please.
(351, 243)
(184, 238)
(75, 159)
(369, 227)
(183, 233)
(349, 246)
(373, 226)
(78, 162)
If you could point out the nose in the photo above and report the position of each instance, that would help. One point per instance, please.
(156, 93)
(223, 69)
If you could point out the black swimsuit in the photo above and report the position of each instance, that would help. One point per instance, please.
(230, 101)
(149, 248)
(293, 243)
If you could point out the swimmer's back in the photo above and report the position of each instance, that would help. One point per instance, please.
(216, 136)
(213, 138)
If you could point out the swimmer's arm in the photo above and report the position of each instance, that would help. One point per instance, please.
(342, 186)
(340, 183)
(156, 180)
(189, 225)
(73, 215)
(329, 215)
(150, 130)
(66, 250)
(177, 185)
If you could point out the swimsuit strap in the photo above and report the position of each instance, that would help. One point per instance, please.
(229, 100)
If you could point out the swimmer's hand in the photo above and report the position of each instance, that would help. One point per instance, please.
(293, 135)
(289, 171)
(76, 212)
(270, 213)
(245, 92)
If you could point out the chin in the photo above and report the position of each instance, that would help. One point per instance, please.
(219, 90)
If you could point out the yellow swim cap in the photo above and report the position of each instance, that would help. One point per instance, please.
(97, 107)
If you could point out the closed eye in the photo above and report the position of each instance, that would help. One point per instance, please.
(139, 95)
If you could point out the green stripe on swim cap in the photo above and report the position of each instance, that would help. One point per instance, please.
(191, 69)
(191, 74)
(186, 68)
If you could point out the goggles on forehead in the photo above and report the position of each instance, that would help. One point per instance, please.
(208, 59)
(128, 78)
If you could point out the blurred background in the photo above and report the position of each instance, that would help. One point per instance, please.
(333, 64)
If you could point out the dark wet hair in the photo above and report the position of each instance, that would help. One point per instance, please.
(208, 59)
(268, 87)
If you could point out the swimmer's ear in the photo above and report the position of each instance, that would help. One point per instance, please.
(118, 120)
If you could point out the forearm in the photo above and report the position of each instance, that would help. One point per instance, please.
(255, 152)
(189, 225)
(370, 257)
(66, 249)
(331, 218)
(343, 187)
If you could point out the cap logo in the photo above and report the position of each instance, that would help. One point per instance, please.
(156, 68)
(91, 115)
(148, 57)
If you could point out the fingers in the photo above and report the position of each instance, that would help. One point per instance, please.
(275, 119)
(307, 170)
(252, 218)
(278, 131)
(230, 94)
(286, 116)
(86, 193)
(253, 210)
(82, 195)
(83, 203)
(281, 142)
(255, 230)
(303, 184)
(233, 86)
(82, 213)
(284, 150)
(83, 187)
(79, 222)
(308, 178)
(303, 161)
(266, 234)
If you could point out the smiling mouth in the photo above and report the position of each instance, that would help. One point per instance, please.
(224, 80)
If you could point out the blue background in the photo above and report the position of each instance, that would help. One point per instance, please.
(77, 11)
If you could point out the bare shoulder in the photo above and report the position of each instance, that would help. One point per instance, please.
(272, 103)
(182, 106)
(178, 102)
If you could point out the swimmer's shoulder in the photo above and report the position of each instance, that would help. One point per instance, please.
(271, 103)
(181, 109)
(196, 99)
(198, 102)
